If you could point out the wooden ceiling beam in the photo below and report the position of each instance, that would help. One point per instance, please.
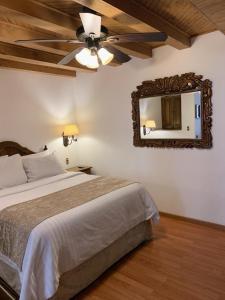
(7, 61)
(137, 17)
(214, 10)
(36, 55)
(48, 18)
(41, 16)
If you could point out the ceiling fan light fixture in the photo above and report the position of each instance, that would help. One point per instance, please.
(105, 56)
(94, 42)
(83, 55)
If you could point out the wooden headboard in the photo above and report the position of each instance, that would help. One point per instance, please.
(11, 148)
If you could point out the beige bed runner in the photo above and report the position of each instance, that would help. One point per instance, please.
(17, 221)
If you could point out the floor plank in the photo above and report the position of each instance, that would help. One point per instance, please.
(184, 262)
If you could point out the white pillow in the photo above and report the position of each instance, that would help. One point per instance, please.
(11, 171)
(41, 167)
(3, 157)
(36, 155)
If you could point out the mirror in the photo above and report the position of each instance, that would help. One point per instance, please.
(173, 112)
(175, 116)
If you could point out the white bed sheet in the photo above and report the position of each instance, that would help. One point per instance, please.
(63, 242)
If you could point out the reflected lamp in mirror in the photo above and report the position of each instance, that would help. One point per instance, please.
(148, 126)
(69, 134)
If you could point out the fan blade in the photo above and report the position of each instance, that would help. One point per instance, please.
(138, 37)
(119, 55)
(47, 41)
(91, 23)
(69, 56)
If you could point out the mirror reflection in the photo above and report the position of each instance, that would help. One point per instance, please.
(175, 116)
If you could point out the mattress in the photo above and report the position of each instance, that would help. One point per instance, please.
(68, 240)
(75, 280)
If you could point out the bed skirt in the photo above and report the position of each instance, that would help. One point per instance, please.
(87, 272)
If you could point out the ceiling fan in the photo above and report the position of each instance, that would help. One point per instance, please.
(96, 46)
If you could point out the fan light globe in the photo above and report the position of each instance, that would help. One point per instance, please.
(92, 61)
(105, 56)
(87, 58)
(83, 56)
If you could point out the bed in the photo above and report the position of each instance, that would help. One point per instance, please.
(69, 250)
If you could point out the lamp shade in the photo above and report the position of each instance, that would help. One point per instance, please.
(150, 124)
(71, 130)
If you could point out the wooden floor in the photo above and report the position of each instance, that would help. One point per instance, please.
(185, 261)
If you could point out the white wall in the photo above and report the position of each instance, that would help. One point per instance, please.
(34, 107)
(182, 181)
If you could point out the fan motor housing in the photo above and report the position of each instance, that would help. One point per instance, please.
(82, 37)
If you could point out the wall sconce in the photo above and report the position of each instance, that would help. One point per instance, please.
(150, 125)
(69, 133)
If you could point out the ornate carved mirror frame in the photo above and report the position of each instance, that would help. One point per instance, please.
(175, 85)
